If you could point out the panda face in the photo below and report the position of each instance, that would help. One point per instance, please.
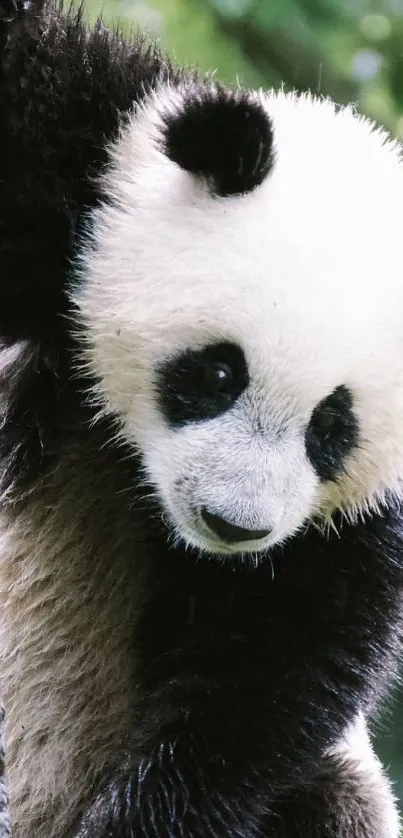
(241, 316)
(256, 471)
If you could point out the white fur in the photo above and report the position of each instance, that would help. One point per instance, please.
(302, 273)
(356, 752)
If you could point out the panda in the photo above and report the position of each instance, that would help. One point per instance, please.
(201, 395)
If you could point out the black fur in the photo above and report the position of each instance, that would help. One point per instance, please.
(61, 98)
(224, 137)
(246, 674)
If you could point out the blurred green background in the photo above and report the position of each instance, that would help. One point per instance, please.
(349, 49)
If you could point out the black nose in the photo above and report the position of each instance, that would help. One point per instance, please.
(228, 532)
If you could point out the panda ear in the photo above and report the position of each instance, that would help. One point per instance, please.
(225, 137)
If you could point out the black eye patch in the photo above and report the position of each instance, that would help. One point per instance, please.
(202, 384)
(332, 433)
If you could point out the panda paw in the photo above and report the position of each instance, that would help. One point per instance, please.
(347, 800)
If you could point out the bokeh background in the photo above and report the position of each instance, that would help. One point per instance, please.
(351, 50)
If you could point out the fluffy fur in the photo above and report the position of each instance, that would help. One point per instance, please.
(158, 680)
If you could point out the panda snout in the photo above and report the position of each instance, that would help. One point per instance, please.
(228, 532)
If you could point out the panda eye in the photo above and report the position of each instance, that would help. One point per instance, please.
(332, 433)
(201, 384)
(219, 378)
(325, 419)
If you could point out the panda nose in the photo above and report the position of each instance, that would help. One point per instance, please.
(230, 533)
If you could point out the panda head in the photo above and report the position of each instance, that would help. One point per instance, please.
(241, 310)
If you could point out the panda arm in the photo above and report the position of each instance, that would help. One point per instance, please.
(45, 148)
(63, 90)
(42, 173)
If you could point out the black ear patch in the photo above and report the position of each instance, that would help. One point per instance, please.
(225, 137)
(333, 432)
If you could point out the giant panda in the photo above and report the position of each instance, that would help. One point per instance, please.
(201, 395)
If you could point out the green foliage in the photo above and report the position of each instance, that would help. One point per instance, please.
(349, 49)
